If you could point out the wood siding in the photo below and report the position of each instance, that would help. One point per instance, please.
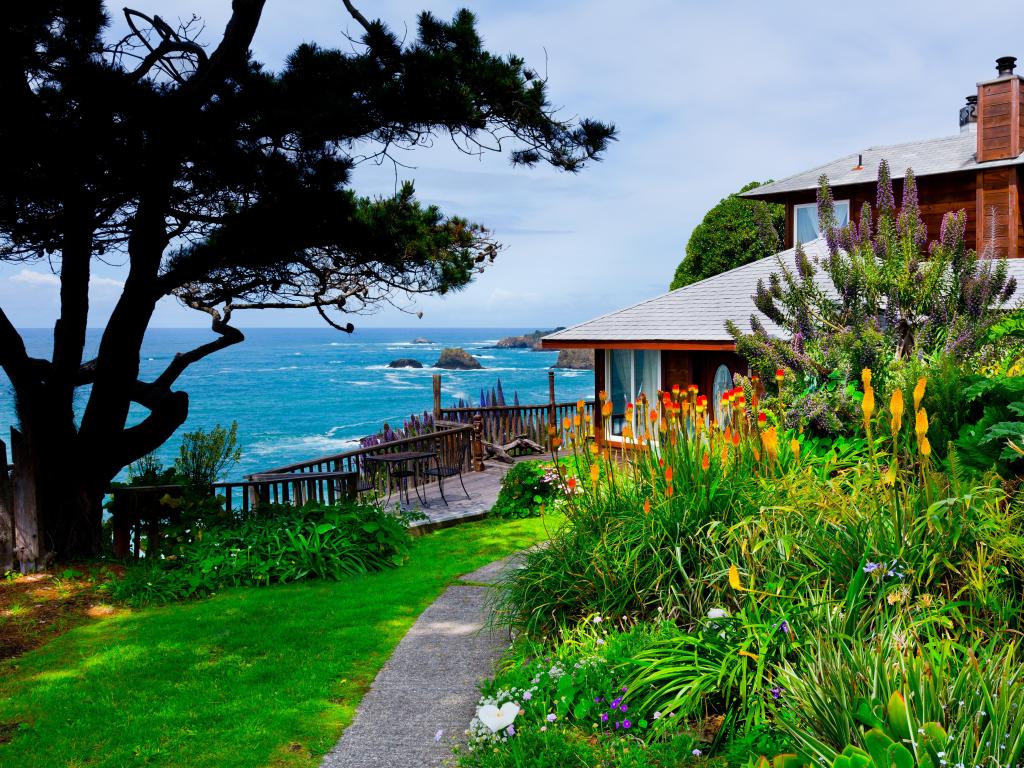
(999, 120)
(937, 196)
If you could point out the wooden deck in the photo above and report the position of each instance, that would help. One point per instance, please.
(483, 490)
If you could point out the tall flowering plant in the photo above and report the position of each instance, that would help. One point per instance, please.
(882, 293)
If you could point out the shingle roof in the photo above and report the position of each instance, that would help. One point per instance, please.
(698, 312)
(928, 157)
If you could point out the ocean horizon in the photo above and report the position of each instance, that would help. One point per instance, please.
(300, 393)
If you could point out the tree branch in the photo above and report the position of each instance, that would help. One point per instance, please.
(182, 360)
(355, 14)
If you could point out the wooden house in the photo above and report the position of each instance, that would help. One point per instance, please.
(680, 337)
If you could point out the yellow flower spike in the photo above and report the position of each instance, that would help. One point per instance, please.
(595, 473)
(593, 449)
(576, 420)
(921, 423)
(627, 432)
(896, 409)
(581, 406)
(734, 578)
(868, 403)
(865, 376)
(794, 446)
(770, 440)
(919, 392)
(566, 423)
(606, 409)
(602, 395)
(926, 447)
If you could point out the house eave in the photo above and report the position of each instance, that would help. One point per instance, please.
(674, 344)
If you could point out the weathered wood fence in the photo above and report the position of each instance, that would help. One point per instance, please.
(19, 520)
(327, 478)
(503, 423)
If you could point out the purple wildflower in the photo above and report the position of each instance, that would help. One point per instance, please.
(623, 708)
(885, 201)
(527, 695)
(626, 724)
(552, 717)
(784, 627)
(604, 717)
(870, 567)
(776, 692)
(511, 730)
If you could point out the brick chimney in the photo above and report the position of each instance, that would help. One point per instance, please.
(1000, 127)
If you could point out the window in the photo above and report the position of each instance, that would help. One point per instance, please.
(805, 220)
(630, 372)
(722, 384)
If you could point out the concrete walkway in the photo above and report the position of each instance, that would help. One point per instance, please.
(429, 684)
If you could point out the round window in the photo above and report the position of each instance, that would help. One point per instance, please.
(722, 384)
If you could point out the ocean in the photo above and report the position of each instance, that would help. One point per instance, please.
(299, 393)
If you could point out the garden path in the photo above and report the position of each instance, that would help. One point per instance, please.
(429, 685)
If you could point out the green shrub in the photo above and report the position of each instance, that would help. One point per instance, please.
(275, 544)
(528, 486)
(842, 689)
(729, 236)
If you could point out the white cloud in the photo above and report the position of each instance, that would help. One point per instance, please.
(31, 277)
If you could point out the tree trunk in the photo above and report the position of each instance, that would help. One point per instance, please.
(65, 489)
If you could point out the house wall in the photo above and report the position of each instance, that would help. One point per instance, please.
(937, 195)
(682, 367)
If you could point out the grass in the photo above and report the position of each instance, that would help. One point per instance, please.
(249, 677)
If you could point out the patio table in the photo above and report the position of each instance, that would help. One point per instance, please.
(398, 469)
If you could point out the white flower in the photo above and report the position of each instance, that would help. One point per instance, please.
(696, 753)
(597, 619)
(657, 715)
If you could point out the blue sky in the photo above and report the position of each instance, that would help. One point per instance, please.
(707, 96)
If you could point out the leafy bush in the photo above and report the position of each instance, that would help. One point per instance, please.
(275, 544)
(204, 457)
(895, 685)
(889, 297)
(731, 234)
(574, 705)
(528, 486)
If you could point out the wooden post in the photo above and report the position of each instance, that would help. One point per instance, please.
(6, 514)
(551, 399)
(478, 443)
(26, 511)
(437, 395)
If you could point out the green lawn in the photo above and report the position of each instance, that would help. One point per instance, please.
(249, 677)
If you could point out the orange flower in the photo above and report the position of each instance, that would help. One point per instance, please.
(675, 389)
(668, 474)
(865, 376)
(602, 395)
(663, 426)
(606, 409)
(725, 454)
(780, 374)
(705, 461)
(556, 442)
(896, 409)
(868, 404)
(576, 420)
(728, 434)
(593, 448)
(668, 490)
(921, 424)
(794, 447)
(552, 431)
(571, 483)
(647, 506)
(736, 439)
(627, 432)
(581, 406)
(770, 440)
(919, 392)
(595, 472)
(926, 447)
(762, 419)
(566, 423)
(653, 416)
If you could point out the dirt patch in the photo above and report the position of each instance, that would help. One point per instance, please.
(7, 731)
(37, 607)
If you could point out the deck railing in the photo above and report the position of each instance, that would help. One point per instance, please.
(457, 437)
(348, 473)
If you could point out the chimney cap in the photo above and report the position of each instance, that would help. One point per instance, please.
(1005, 65)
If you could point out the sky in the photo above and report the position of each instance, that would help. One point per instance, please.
(706, 96)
